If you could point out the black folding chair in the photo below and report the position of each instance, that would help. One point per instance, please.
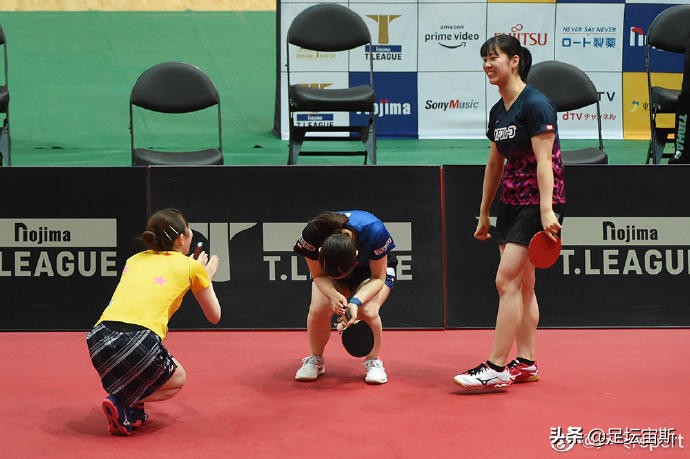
(668, 32)
(175, 88)
(329, 27)
(5, 141)
(569, 88)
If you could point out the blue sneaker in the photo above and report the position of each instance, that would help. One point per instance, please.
(117, 416)
(136, 416)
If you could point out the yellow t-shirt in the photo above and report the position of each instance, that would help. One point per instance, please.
(151, 289)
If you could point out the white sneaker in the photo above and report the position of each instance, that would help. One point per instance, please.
(483, 378)
(376, 374)
(312, 368)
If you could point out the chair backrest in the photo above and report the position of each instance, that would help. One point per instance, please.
(568, 87)
(669, 30)
(174, 87)
(328, 27)
(3, 43)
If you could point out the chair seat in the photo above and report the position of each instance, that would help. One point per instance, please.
(666, 100)
(4, 99)
(145, 157)
(584, 156)
(356, 98)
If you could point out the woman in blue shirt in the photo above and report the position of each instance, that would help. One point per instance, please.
(352, 267)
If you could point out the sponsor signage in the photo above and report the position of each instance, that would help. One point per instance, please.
(257, 214)
(61, 253)
(625, 260)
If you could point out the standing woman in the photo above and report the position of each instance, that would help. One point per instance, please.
(352, 267)
(525, 159)
(126, 344)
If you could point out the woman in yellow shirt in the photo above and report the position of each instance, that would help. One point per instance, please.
(126, 344)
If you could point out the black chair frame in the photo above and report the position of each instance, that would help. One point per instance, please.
(668, 31)
(175, 87)
(5, 139)
(570, 88)
(321, 28)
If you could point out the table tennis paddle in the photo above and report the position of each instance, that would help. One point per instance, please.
(542, 251)
(358, 339)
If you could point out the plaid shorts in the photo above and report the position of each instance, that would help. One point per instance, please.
(132, 364)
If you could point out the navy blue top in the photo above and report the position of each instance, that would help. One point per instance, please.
(530, 114)
(374, 240)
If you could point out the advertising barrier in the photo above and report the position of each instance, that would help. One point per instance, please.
(252, 216)
(65, 234)
(626, 251)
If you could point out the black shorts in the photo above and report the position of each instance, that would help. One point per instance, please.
(517, 224)
(362, 273)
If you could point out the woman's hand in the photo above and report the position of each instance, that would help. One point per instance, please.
(338, 303)
(209, 264)
(549, 222)
(344, 321)
(483, 226)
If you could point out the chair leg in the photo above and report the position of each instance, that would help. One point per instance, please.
(658, 144)
(368, 135)
(295, 149)
(5, 143)
(296, 139)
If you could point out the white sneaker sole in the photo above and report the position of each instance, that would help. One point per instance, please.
(483, 389)
(307, 379)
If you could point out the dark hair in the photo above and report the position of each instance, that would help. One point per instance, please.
(337, 255)
(163, 228)
(510, 46)
(328, 222)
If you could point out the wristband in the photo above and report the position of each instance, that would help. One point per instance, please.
(356, 301)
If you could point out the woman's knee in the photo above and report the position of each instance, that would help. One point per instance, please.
(369, 312)
(178, 379)
(319, 313)
(506, 284)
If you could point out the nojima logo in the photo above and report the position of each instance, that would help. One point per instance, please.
(277, 241)
(626, 246)
(44, 247)
(385, 107)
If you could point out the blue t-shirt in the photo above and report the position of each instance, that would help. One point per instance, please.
(373, 239)
(532, 113)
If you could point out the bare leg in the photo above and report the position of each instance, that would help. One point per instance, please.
(318, 321)
(512, 269)
(171, 387)
(530, 318)
(369, 312)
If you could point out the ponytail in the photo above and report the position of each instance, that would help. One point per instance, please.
(511, 46)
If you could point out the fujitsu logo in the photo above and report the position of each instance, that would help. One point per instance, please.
(528, 38)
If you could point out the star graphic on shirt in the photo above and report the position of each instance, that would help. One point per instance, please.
(159, 280)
